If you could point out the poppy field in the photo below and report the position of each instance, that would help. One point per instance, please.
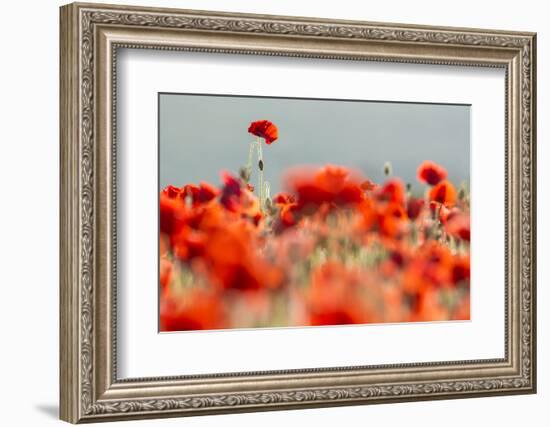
(333, 248)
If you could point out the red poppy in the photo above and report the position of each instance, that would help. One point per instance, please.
(458, 225)
(200, 194)
(231, 192)
(171, 211)
(288, 215)
(264, 129)
(191, 191)
(198, 309)
(431, 267)
(392, 191)
(171, 192)
(233, 263)
(333, 185)
(331, 296)
(443, 193)
(392, 220)
(283, 198)
(431, 173)
(461, 269)
(414, 207)
(207, 192)
(188, 243)
(394, 264)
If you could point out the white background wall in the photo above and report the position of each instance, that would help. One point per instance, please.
(29, 171)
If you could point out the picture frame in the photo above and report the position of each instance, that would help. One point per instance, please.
(91, 37)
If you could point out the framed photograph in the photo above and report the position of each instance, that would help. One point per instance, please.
(267, 212)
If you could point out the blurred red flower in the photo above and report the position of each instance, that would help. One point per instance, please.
(171, 192)
(332, 185)
(284, 198)
(202, 193)
(392, 220)
(461, 269)
(264, 129)
(431, 173)
(198, 309)
(288, 215)
(414, 207)
(171, 210)
(443, 193)
(232, 262)
(392, 191)
(458, 225)
(231, 192)
(330, 296)
(188, 243)
(431, 267)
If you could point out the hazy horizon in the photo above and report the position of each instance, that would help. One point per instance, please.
(201, 135)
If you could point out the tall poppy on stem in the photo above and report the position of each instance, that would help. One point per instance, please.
(269, 132)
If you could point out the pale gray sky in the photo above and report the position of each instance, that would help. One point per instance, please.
(201, 135)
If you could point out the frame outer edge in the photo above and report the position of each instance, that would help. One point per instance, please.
(77, 226)
(69, 225)
(533, 112)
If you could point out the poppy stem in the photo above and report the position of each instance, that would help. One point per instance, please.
(249, 163)
(261, 173)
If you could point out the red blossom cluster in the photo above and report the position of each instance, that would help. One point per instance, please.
(334, 248)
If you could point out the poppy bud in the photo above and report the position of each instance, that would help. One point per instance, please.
(387, 169)
(244, 174)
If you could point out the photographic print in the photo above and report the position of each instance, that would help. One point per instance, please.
(278, 212)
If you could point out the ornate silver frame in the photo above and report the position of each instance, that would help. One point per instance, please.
(90, 36)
